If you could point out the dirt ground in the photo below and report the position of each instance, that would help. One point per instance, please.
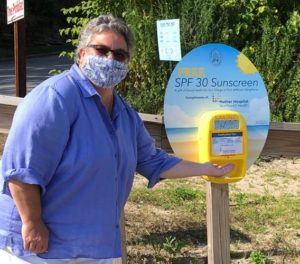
(151, 220)
(254, 183)
(263, 177)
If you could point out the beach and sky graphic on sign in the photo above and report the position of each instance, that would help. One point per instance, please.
(214, 77)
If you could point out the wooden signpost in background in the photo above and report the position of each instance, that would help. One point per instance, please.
(15, 14)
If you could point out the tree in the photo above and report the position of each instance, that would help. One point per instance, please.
(267, 31)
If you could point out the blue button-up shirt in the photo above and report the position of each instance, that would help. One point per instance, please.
(63, 139)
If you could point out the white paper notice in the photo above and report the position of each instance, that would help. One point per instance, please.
(168, 36)
(227, 143)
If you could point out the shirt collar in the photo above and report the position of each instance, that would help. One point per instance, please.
(85, 85)
(88, 90)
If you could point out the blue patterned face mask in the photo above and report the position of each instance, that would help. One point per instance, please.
(104, 72)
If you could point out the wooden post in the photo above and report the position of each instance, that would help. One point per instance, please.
(20, 58)
(218, 229)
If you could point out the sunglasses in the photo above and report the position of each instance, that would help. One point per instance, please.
(118, 54)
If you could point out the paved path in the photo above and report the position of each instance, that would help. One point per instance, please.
(37, 71)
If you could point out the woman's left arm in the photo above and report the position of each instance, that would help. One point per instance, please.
(185, 169)
(155, 164)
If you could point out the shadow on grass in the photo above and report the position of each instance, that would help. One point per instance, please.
(196, 237)
(150, 259)
(190, 236)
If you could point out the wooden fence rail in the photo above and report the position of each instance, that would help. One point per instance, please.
(283, 138)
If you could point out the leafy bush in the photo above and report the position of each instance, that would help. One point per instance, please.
(267, 31)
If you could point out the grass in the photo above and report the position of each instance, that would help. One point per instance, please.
(258, 257)
(167, 224)
(264, 227)
(273, 174)
(173, 196)
(261, 213)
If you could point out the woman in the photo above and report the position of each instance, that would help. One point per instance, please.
(71, 154)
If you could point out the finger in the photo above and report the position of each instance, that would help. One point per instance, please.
(44, 248)
(41, 246)
(26, 245)
(32, 247)
(217, 166)
(227, 168)
(37, 248)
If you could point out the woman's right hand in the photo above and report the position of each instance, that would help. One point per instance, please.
(35, 236)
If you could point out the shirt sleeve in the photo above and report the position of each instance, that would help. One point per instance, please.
(36, 140)
(152, 161)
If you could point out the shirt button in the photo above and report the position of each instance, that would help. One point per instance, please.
(117, 226)
(11, 171)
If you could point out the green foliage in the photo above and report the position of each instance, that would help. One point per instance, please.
(185, 194)
(259, 221)
(43, 20)
(172, 245)
(55, 72)
(259, 212)
(279, 63)
(171, 197)
(240, 198)
(267, 31)
(258, 257)
(244, 27)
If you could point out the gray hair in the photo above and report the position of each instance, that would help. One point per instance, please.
(101, 23)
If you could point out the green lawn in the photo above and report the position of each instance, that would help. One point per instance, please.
(167, 224)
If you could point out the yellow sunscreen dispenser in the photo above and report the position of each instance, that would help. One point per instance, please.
(222, 140)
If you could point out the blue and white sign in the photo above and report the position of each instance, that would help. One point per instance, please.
(215, 77)
(168, 36)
